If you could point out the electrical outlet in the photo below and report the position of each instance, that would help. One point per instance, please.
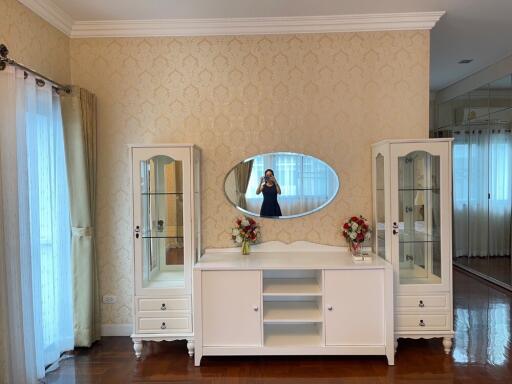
(109, 299)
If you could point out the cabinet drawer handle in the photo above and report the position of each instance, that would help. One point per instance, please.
(329, 307)
(422, 323)
(421, 305)
(163, 307)
(255, 308)
(163, 326)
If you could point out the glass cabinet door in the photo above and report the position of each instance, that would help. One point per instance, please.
(162, 222)
(380, 208)
(417, 215)
(160, 207)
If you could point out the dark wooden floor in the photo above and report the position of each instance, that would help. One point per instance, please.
(481, 354)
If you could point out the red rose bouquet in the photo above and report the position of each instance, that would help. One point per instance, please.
(356, 230)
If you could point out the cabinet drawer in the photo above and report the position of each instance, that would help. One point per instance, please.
(163, 305)
(422, 322)
(164, 324)
(419, 302)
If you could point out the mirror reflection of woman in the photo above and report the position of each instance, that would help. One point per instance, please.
(270, 189)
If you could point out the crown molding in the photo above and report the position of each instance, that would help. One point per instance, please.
(52, 13)
(57, 17)
(256, 25)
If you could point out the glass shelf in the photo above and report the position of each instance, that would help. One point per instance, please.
(167, 233)
(152, 236)
(160, 193)
(418, 238)
(419, 241)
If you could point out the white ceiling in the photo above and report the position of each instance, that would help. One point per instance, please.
(477, 29)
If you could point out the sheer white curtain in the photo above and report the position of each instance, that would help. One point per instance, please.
(482, 190)
(36, 229)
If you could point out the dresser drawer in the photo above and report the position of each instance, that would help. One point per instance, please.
(419, 303)
(164, 324)
(422, 322)
(161, 306)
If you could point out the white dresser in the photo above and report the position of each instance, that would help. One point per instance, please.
(296, 299)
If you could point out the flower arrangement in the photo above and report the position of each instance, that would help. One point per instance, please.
(245, 232)
(355, 231)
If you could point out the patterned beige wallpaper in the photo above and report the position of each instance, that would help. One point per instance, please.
(327, 95)
(35, 43)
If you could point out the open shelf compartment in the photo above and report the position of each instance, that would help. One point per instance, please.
(293, 335)
(285, 309)
(292, 283)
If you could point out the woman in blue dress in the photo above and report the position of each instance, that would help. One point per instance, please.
(270, 189)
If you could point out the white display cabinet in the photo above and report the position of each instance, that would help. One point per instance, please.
(412, 215)
(166, 240)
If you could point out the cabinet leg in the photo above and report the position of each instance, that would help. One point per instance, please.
(447, 344)
(197, 359)
(391, 358)
(137, 347)
(190, 347)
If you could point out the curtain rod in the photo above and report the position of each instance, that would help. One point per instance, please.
(4, 61)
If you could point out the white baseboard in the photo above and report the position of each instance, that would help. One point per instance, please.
(116, 329)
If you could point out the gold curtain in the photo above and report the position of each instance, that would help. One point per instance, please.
(79, 122)
(242, 177)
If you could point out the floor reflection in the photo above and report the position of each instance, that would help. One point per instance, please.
(482, 321)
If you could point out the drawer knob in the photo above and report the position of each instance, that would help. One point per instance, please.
(422, 323)
(421, 305)
(329, 307)
(163, 307)
(255, 308)
(163, 326)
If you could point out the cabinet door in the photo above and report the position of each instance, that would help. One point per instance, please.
(354, 307)
(381, 209)
(421, 215)
(231, 308)
(162, 224)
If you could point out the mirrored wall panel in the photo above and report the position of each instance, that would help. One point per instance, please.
(480, 123)
(281, 185)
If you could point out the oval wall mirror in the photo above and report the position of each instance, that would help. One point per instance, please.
(281, 185)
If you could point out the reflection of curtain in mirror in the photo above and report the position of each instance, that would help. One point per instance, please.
(174, 224)
(500, 189)
(482, 188)
(174, 184)
(242, 176)
(306, 183)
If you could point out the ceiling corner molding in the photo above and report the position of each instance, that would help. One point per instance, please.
(254, 25)
(52, 13)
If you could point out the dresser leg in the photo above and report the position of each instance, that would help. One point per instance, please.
(137, 347)
(190, 347)
(447, 344)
